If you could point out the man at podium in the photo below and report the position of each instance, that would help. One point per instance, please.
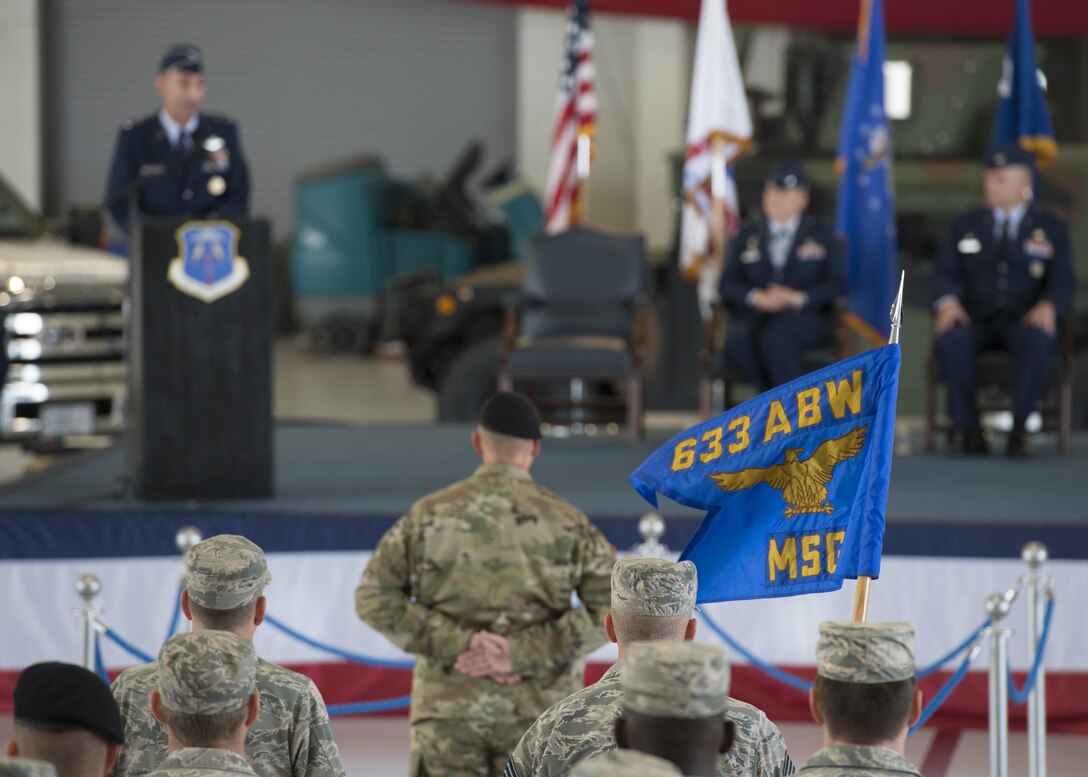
(178, 161)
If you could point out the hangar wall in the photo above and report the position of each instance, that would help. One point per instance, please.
(308, 82)
(20, 94)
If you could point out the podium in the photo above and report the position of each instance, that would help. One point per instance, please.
(200, 359)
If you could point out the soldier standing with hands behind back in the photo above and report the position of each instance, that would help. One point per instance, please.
(476, 580)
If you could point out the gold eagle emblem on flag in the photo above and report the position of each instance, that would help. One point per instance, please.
(803, 483)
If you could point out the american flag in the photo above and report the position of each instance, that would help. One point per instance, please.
(574, 123)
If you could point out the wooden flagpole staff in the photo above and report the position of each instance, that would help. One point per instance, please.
(864, 582)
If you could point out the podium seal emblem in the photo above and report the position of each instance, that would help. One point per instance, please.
(207, 266)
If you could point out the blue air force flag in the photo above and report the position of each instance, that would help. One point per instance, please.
(794, 482)
(1022, 114)
(865, 212)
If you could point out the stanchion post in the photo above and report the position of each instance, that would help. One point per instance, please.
(88, 587)
(997, 607)
(1037, 585)
(186, 538)
(651, 527)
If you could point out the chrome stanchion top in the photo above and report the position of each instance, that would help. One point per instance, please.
(88, 586)
(187, 537)
(1034, 554)
(651, 527)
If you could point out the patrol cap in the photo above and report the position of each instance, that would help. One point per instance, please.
(669, 679)
(1009, 154)
(788, 174)
(182, 56)
(225, 571)
(865, 653)
(26, 767)
(628, 763)
(512, 414)
(52, 696)
(653, 586)
(207, 672)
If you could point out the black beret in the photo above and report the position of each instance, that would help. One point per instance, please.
(788, 175)
(512, 414)
(64, 697)
(1010, 154)
(183, 56)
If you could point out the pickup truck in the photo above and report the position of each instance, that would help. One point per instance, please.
(62, 332)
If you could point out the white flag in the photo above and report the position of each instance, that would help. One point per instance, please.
(718, 110)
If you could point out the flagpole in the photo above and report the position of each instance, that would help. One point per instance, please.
(717, 193)
(864, 582)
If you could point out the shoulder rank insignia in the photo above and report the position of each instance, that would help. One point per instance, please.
(208, 266)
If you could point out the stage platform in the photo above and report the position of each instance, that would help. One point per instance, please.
(938, 505)
(954, 533)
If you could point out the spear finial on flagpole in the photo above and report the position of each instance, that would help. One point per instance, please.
(897, 311)
(861, 591)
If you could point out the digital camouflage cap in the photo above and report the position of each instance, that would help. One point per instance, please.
(628, 763)
(865, 653)
(26, 767)
(207, 672)
(225, 571)
(675, 679)
(653, 586)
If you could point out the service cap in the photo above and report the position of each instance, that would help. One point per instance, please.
(207, 672)
(670, 679)
(1009, 154)
(788, 174)
(624, 763)
(653, 586)
(225, 571)
(865, 653)
(52, 696)
(512, 414)
(182, 56)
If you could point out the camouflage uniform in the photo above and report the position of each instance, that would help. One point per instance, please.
(582, 724)
(858, 761)
(494, 552)
(203, 762)
(26, 767)
(863, 653)
(292, 736)
(206, 673)
(624, 763)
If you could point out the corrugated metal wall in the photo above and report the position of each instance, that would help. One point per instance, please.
(307, 80)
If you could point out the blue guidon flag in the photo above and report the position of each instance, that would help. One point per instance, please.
(208, 266)
(794, 482)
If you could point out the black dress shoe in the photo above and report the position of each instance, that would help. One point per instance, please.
(1018, 443)
(971, 442)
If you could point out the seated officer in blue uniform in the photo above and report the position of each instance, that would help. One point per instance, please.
(782, 275)
(191, 162)
(1003, 280)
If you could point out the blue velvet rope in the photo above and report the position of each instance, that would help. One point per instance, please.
(363, 707)
(942, 695)
(1020, 696)
(927, 671)
(99, 664)
(355, 658)
(135, 652)
(772, 671)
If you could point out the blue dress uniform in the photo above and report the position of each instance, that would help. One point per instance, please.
(766, 347)
(184, 182)
(181, 177)
(997, 272)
